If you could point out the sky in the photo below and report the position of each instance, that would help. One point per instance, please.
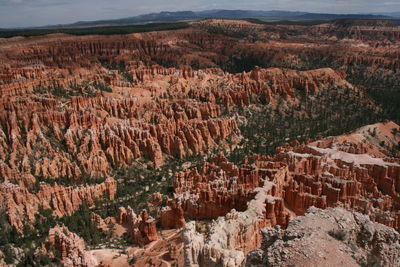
(26, 13)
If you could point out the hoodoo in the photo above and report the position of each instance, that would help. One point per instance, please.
(201, 142)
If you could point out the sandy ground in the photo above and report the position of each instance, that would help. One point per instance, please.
(110, 258)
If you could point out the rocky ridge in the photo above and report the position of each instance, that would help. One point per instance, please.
(320, 236)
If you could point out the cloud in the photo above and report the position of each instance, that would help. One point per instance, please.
(392, 3)
(18, 4)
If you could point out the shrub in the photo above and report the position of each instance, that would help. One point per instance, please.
(338, 234)
(9, 255)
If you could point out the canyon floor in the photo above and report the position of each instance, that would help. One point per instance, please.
(226, 143)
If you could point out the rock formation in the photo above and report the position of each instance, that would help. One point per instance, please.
(236, 233)
(68, 120)
(141, 229)
(351, 171)
(76, 110)
(333, 236)
(21, 205)
(332, 172)
(172, 215)
(100, 223)
(69, 246)
(88, 118)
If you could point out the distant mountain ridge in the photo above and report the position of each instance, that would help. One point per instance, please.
(272, 15)
(390, 14)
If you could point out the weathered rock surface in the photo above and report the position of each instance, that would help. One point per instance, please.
(331, 237)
